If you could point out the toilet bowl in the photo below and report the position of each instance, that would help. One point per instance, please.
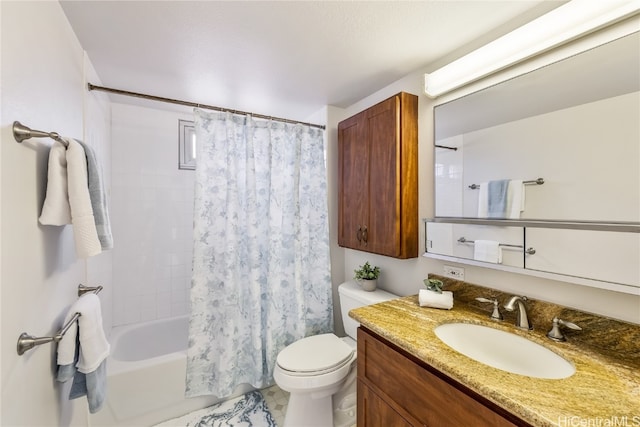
(312, 370)
(319, 371)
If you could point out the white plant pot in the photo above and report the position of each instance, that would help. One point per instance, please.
(369, 285)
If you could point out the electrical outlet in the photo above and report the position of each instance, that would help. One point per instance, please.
(454, 272)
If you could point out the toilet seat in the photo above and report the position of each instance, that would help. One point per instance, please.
(315, 355)
(319, 372)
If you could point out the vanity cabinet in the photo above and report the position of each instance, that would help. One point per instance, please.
(378, 178)
(397, 389)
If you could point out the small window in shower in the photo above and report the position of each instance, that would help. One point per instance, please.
(187, 145)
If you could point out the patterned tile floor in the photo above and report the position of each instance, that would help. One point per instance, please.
(277, 400)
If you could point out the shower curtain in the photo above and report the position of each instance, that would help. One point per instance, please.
(261, 269)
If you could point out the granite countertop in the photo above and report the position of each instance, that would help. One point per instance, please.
(605, 387)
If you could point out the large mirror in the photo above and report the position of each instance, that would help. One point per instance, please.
(547, 167)
(570, 131)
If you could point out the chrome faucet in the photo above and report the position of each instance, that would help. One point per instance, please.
(522, 321)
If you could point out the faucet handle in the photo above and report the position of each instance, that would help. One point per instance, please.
(556, 334)
(495, 315)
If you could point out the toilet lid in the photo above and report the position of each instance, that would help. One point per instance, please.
(316, 354)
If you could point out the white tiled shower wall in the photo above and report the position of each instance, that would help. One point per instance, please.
(152, 216)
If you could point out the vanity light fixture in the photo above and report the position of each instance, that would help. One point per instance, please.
(565, 23)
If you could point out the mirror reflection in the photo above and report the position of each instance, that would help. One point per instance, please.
(559, 143)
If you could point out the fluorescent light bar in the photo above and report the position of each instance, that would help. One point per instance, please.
(563, 24)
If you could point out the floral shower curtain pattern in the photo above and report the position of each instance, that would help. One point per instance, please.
(261, 268)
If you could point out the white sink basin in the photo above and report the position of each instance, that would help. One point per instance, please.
(504, 350)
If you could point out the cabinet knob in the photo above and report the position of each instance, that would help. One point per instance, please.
(530, 251)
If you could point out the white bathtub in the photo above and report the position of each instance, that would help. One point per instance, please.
(146, 375)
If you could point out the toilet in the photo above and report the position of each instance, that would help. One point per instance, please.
(319, 371)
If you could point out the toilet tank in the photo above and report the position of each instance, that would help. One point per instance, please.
(352, 296)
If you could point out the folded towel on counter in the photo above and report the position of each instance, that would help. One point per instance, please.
(428, 298)
(83, 351)
(56, 209)
(70, 194)
(98, 198)
(488, 251)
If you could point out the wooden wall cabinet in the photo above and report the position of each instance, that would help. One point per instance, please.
(378, 169)
(395, 389)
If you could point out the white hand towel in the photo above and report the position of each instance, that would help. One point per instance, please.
(483, 200)
(432, 299)
(84, 226)
(488, 251)
(56, 210)
(94, 347)
(67, 200)
(515, 198)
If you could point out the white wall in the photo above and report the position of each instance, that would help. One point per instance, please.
(97, 133)
(42, 81)
(540, 146)
(404, 277)
(152, 216)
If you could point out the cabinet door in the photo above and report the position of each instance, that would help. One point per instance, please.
(607, 256)
(375, 412)
(353, 170)
(418, 393)
(378, 172)
(383, 224)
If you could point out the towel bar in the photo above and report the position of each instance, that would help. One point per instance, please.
(27, 342)
(538, 181)
(529, 251)
(22, 132)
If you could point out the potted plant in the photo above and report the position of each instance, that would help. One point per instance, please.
(434, 285)
(367, 276)
(434, 296)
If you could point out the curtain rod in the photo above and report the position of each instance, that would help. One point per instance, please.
(193, 104)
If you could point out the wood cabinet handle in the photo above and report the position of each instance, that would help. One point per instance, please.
(365, 235)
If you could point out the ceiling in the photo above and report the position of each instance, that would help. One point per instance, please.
(281, 58)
